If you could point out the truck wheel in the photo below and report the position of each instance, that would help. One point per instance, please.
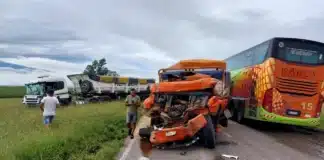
(65, 102)
(145, 132)
(208, 135)
(69, 100)
(86, 86)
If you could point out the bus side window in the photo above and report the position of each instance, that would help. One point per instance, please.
(230, 64)
(227, 79)
(260, 52)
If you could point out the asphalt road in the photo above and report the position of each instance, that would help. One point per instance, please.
(246, 142)
(305, 141)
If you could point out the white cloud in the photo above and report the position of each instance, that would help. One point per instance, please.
(3, 46)
(139, 37)
(46, 64)
(18, 77)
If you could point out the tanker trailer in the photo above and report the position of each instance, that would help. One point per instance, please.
(92, 88)
(108, 87)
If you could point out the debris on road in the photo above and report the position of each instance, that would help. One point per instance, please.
(183, 153)
(230, 156)
(143, 158)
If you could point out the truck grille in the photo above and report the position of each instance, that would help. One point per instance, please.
(31, 101)
(297, 87)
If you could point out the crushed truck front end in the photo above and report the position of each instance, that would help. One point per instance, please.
(191, 105)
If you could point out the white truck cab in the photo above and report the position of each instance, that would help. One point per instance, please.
(37, 89)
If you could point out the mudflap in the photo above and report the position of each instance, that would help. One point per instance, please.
(207, 135)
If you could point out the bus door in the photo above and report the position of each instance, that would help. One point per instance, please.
(252, 102)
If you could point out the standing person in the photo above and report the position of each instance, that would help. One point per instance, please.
(48, 107)
(132, 101)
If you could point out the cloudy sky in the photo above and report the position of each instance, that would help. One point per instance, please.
(137, 37)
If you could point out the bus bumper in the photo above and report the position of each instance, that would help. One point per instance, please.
(271, 117)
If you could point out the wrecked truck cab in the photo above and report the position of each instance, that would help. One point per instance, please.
(186, 110)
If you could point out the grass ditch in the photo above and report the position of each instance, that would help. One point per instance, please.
(12, 91)
(88, 132)
(83, 144)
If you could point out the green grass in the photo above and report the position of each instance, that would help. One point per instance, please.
(322, 121)
(12, 91)
(94, 132)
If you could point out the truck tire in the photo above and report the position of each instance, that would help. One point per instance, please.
(148, 89)
(65, 102)
(208, 135)
(69, 100)
(86, 86)
(145, 132)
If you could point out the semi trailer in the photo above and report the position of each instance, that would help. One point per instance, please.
(85, 88)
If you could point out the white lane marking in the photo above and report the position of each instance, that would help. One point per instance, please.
(143, 121)
(127, 150)
(202, 155)
(227, 134)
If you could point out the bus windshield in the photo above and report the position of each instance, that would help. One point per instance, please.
(301, 52)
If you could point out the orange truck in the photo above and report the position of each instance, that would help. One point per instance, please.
(188, 104)
(279, 80)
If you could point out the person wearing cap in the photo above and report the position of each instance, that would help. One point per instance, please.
(133, 101)
(48, 107)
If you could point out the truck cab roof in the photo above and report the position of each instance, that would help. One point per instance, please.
(184, 86)
(47, 79)
(213, 68)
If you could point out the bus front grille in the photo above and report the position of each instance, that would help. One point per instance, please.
(297, 87)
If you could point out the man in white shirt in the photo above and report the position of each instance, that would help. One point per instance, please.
(48, 107)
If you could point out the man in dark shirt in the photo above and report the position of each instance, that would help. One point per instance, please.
(132, 102)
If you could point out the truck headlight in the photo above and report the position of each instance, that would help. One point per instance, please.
(170, 133)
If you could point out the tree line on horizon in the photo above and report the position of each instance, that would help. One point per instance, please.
(97, 67)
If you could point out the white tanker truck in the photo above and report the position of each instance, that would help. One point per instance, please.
(109, 86)
(85, 88)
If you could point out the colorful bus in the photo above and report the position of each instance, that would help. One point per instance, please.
(280, 80)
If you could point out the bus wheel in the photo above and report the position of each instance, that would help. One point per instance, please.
(239, 113)
(231, 108)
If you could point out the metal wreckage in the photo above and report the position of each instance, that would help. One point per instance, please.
(188, 106)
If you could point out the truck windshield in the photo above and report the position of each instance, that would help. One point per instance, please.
(301, 52)
(35, 89)
(218, 74)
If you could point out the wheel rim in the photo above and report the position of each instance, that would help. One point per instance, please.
(239, 116)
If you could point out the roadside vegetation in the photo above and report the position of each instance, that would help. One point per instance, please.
(12, 91)
(322, 121)
(82, 132)
(93, 132)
